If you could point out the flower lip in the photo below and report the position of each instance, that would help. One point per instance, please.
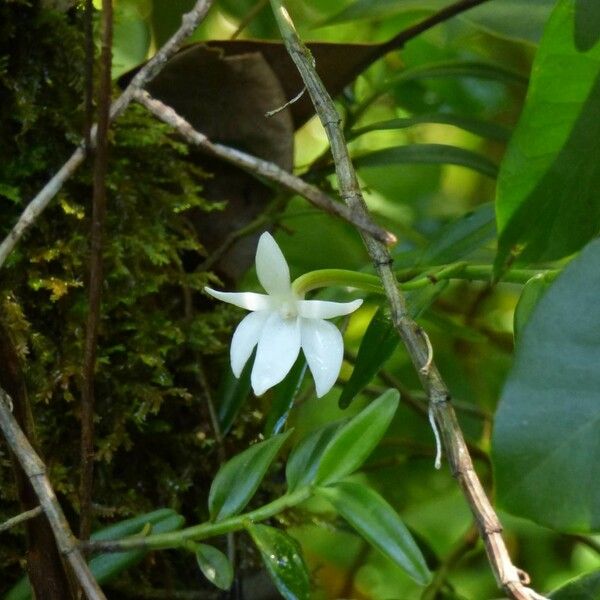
(281, 323)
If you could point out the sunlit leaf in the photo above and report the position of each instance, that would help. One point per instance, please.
(353, 443)
(545, 445)
(215, 566)
(239, 478)
(379, 524)
(547, 204)
(283, 559)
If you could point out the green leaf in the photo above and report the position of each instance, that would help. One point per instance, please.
(377, 345)
(353, 443)
(457, 240)
(106, 567)
(284, 397)
(215, 566)
(432, 154)
(545, 445)
(484, 129)
(239, 478)
(586, 587)
(283, 559)
(457, 68)
(512, 19)
(302, 464)
(547, 188)
(379, 524)
(232, 395)
(532, 291)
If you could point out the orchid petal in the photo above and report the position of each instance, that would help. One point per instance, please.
(324, 350)
(278, 348)
(322, 309)
(271, 267)
(245, 338)
(247, 300)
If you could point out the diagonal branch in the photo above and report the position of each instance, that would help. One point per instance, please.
(34, 209)
(509, 577)
(262, 168)
(35, 470)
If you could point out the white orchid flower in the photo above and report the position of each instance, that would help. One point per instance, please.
(281, 322)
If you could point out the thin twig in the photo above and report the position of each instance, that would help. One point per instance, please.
(253, 12)
(508, 576)
(262, 168)
(36, 473)
(21, 518)
(96, 278)
(34, 209)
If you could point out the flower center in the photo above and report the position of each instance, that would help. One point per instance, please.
(288, 309)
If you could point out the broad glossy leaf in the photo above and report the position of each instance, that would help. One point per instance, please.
(284, 397)
(353, 443)
(547, 203)
(302, 464)
(484, 129)
(215, 566)
(379, 524)
(586, 587)
(430, 154)
(283, 559)
(377, 345)
(233, 395)
(462, 237)
(239, 478)
(513, 19)
(546, 444)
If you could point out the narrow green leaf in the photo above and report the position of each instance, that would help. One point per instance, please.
(531, 294)
(481, 128)
(513, 19)
(431, 154)
(233, 395)
(215, 566)
(106, 567)
(353, 443)
(547, 205)
(457, 68)
(545, 445)
(239, 478)
(283, 559)
(285, 394)
(586, 587)
(379, 524)
(302, 464)
(377, 345)
(459, 239)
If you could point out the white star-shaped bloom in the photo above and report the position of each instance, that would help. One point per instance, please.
(281, 323)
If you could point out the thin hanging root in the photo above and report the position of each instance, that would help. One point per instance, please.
(425, 368)
(438, 441)
(272, 113)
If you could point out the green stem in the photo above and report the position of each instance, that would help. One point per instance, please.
(203, 531)
(410, 279)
